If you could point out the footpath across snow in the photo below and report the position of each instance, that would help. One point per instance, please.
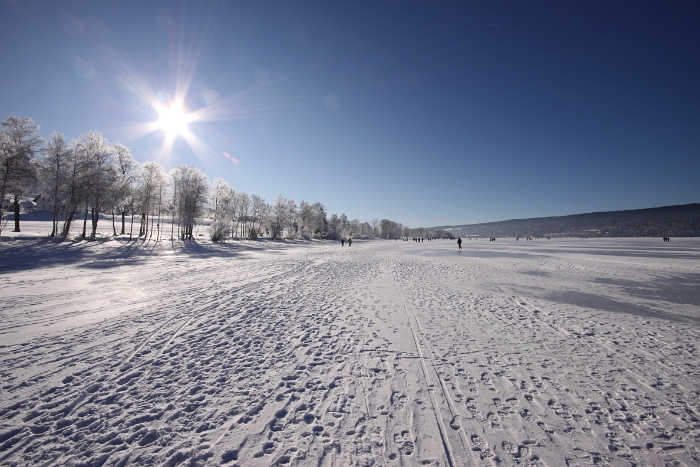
(567, 352)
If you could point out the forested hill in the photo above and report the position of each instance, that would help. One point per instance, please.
(667, 221)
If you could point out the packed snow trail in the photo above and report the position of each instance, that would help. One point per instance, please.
(386, 353)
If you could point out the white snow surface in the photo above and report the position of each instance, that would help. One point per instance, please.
(568, 352)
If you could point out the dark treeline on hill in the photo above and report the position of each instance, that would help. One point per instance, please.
(667, 221)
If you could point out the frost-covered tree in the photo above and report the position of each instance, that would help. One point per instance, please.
(98, 175)
(355, 228)
(222, 198)
(161, 197)
(264, 218)
(390, 229)
(54, 171)
(234, 212)
(320, 221)
(19, 143)
(151, 186)
(190, 187)
(91, 175)
(292, 227)
(305, 218)
(278, 218)
(241, 208)
(258, 215)
(73, 192)
(334, 227)
(343, 225)
(124, 191)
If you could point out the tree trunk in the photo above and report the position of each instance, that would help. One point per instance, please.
(151, 231)
(16, 213)
(95, 216)
(54, 230)
(160, 205)
(132, 221)
(66, 224)
(85, 221)
(114, 226)
(123, 221)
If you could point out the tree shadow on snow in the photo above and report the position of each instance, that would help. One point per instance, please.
(33, 253)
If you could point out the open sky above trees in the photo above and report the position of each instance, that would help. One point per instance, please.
(427, 114)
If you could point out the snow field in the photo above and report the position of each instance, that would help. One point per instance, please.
(567, 352)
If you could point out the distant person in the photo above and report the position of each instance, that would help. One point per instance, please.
(342, 242)
(349, 241)
(459, 242)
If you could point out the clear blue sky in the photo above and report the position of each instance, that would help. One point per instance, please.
(426, 113)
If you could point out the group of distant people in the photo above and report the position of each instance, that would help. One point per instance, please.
(459, 240)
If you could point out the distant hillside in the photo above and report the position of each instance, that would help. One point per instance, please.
(667, 221)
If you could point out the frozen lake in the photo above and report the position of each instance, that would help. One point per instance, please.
(555, 352)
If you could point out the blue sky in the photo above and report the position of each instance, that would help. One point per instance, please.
(425, 114)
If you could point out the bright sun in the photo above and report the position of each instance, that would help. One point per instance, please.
(173, 119)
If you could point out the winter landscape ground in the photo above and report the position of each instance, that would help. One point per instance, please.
(551, 352)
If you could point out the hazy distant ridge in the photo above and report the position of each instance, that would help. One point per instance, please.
(669, 221)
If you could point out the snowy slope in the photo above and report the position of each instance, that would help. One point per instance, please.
(561, 352)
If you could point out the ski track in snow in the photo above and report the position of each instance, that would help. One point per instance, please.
(387, 353)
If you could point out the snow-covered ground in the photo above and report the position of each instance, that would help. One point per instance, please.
(550, 352)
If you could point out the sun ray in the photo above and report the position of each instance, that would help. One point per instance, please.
(170, 110)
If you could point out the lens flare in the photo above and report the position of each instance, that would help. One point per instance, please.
(162, 110)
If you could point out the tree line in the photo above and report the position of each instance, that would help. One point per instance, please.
(91, 177)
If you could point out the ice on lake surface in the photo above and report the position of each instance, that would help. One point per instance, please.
(563, 352)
